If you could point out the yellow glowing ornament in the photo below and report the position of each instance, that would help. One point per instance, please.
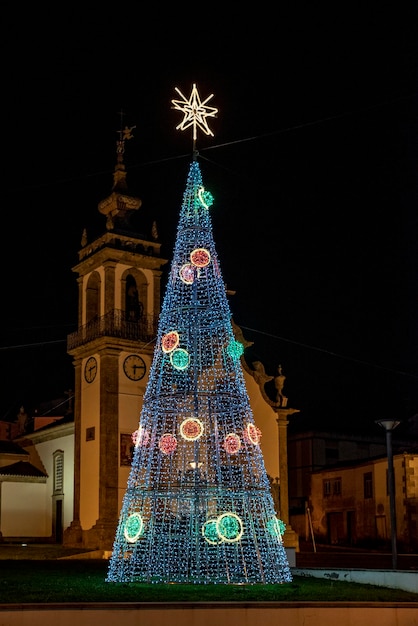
(191, 429)
(195, 112)
(200, 257)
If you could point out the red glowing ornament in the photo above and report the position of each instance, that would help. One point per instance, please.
(252, 434)
(232, 443)
(200, 257)
(170, 341)
(191, 429)
(167, 443)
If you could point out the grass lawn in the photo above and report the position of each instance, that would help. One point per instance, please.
(83, 580)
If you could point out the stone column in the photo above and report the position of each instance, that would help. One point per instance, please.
(291, 539)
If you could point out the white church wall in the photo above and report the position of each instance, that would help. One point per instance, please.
(23, 510)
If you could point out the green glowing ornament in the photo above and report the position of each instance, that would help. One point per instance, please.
(235, 350)
(229, 527)
(205, 198)
(179, 359)
(276, 527)
(134, 527)
(210, 533)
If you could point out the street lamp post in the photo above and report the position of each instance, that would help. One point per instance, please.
(389, 425)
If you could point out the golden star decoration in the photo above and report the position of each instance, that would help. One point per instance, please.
(195, 112)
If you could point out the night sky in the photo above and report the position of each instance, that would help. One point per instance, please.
(312, 167)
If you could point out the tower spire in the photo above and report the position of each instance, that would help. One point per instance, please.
(124, 134)
(119, 205)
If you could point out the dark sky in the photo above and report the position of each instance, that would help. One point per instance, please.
(312, 166)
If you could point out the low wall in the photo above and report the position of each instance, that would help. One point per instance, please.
(184, 614)
(394, 579)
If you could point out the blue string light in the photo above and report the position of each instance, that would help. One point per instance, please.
(198, 506)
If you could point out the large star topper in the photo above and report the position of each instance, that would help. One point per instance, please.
(195, 112)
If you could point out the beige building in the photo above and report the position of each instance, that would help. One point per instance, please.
(349, 504)
(37, 482)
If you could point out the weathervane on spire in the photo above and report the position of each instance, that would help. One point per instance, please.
(195, 113)
(124, 134)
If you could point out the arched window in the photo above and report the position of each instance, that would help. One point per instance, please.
(93, 297)
(58, 472)
(133, 307)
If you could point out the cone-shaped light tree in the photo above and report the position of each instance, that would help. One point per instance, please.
(198, 506)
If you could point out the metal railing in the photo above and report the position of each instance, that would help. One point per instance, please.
(115, 324)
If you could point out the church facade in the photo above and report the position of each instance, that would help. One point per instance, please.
(70, 474)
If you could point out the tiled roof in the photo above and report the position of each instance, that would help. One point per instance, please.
(8, 447)
(21, 468)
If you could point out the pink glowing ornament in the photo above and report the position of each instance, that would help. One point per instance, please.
(170, 341)
(167, 443)
(187, 273)
(232, 443)
(252, 434)
(140, 437)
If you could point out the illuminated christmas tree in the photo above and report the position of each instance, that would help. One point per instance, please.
(198, 506)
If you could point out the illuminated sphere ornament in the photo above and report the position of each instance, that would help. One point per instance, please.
(235, 349)
(229, 527)
(252, 434)
(167, 443)
(232, 443)
(134, 527)
(276, 527)
(187, 273)
(210, 532)
(205, 198)
(191, 429)
(179, 359)
(140, 437)
(170, 341)
(200, 257)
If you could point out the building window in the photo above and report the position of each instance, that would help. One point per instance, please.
(58, 472)
(336, 487)
(332, 487)
(368, 485)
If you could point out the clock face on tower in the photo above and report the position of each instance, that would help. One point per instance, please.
(134, 367)
(90, 369)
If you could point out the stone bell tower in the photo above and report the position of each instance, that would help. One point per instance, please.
(118, 276)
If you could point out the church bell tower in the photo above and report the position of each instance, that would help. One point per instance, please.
(118, 275)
